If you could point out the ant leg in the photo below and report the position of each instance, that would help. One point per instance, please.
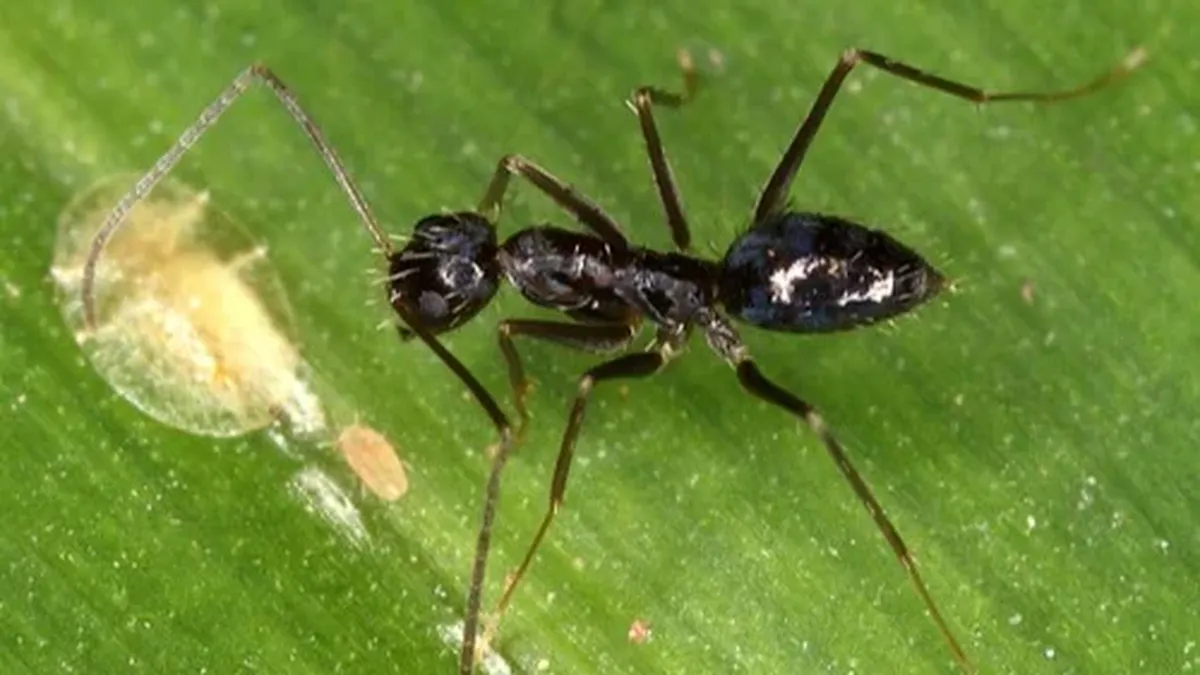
(499, 453)
(774, 193)
(597, 338)
(252, 75)
(640, 364)
(754, 383)
(594, 338)
(722, 337)
(642, 101)
(570, 200)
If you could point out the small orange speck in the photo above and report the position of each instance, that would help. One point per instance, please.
(374, 460)
(639, 632)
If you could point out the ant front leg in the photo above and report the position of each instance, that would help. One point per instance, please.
(722, 337)
(499, 454)
(594, 338)
(568, 199)
(642, 102)
(774, 193)
(638, 365)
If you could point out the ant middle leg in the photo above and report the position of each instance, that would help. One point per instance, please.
(597, 338)
(774, 193)
(594, 338)
(637, 365)
(642, 102)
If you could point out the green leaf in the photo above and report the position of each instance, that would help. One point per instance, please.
(1032, 436)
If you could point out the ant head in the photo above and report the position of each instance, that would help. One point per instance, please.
(446, 273)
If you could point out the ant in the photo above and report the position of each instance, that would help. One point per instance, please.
(791, 271)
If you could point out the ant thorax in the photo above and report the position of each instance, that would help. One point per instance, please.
(565, 271)
(578, 273)
(670, 289)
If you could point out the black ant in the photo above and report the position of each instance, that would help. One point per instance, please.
(791, 271)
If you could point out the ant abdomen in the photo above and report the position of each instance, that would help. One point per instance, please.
(815, 273)
(446, 273)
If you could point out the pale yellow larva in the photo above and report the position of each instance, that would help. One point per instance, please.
(193, 325)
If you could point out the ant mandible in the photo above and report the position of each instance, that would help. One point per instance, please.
(791, 271)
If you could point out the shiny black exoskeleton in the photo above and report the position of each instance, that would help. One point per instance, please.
(810, 273)
(799, 272)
